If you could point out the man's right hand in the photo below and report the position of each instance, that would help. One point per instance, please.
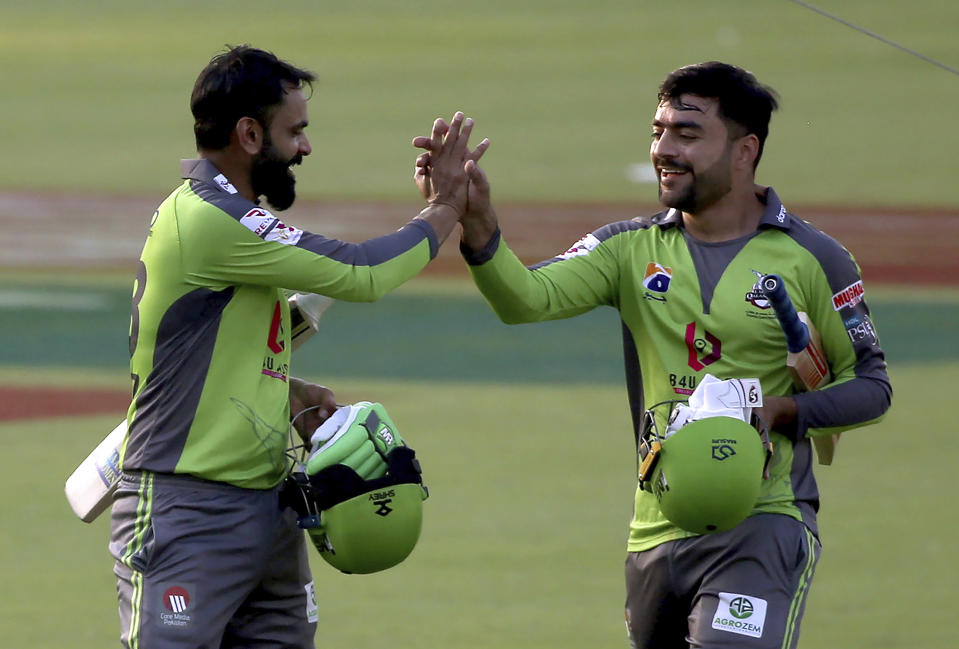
(443, 179)
(441, 175)
(479, 222)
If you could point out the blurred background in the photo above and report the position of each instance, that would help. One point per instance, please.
(523, 431)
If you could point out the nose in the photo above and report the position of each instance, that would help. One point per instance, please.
(304, 148)
(663, 147)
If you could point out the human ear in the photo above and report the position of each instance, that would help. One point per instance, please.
(748, 149)
(249, 135)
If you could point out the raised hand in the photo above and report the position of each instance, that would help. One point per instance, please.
(479, 222)
(446, 181)
(425, 172)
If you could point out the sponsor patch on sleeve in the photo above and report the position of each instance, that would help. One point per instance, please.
(269, 228)
(581, 247)
(848, 297)
(860, 328)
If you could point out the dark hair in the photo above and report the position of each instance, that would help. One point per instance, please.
(742, 99)
(241, 82)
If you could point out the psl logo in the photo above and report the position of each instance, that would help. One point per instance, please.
(657, 277)
(702, 351)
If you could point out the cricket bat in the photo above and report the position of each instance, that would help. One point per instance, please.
(804, 353)
(89, 489)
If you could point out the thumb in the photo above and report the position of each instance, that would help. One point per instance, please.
(476, 175)
(421, 142)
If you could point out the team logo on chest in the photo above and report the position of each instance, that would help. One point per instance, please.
(755, 295)
(656, 281)
(756, 298)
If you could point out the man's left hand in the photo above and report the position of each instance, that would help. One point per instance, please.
(305, 395)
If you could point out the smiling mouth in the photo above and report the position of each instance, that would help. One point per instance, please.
(669, 174)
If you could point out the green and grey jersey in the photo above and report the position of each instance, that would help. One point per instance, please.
(689, 308)
(210, 326)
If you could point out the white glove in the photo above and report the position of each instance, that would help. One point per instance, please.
(734, 398)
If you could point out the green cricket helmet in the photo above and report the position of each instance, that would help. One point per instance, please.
(706, 475)
(361, 495)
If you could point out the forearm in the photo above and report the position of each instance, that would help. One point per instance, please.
(442, 217)
(479, 230)
(857, 402)
(518, 294)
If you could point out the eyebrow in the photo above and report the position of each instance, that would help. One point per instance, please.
(678, 124)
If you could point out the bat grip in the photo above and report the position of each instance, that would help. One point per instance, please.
(797, 335)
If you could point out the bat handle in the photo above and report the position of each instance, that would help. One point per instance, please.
(797, 335)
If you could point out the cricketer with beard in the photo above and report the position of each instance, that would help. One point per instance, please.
(206, 555)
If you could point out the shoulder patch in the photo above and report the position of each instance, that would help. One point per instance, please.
(581, 247)
(269, 228)
(848, 297)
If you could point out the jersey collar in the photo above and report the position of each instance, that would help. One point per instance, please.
(203, 170)
(775, 215)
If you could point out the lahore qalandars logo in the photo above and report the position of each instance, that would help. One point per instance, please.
(756, 295)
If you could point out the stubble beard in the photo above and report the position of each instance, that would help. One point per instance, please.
(705, 188)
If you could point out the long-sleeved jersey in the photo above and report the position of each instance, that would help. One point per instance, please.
(689, 308)
(210, 326)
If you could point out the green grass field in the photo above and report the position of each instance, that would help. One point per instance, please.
(97, 93)
(528, 455)
(531, 482)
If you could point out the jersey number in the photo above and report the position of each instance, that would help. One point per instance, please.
(139, 287)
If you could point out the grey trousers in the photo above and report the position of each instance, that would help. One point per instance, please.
(206, 564)
(746, 587)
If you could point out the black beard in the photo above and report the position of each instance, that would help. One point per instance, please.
(271, 177)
